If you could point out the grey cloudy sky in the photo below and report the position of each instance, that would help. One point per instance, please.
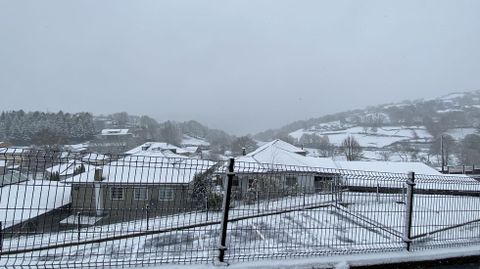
(243, 66)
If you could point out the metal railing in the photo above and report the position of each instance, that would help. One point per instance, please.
(59, 209)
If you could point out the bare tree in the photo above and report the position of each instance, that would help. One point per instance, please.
(351, 148)
(243, 142)
(385, 155)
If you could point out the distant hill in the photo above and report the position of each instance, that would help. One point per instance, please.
(393, 128)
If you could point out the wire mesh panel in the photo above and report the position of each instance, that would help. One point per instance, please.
(107, 210)
(298, 211)
(91, 210)
(446, 211)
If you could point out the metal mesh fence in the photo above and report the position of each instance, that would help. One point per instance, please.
(59, 209)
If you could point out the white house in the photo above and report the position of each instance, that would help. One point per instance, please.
(286, 164)
(67, 169)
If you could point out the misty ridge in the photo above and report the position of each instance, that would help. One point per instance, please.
(403, 131)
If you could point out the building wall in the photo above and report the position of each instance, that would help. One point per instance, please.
(83, 200)
(305, 182)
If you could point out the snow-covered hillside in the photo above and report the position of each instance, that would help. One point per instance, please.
(368, 137)
(403, 131)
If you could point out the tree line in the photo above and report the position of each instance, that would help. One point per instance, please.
(40, 128)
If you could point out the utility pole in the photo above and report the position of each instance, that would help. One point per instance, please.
(442, 153)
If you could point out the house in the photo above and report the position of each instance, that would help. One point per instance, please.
(77, 148)
(390, 177)
(14, 156)
(162, 149)
(112, 141)
(67, 169)
(388, 167)
(132, 187)
(285, 168)
(115, 134)
(96, 159)
(9, 176)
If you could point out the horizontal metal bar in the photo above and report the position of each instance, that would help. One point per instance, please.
(166, 230)
(445, 229)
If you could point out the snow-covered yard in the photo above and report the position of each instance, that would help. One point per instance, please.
(287, 227)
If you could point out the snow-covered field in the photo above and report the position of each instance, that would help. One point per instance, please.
(382, 137)
(378, 143)
(309, 225)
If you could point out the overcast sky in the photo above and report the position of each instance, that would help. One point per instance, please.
(242, 66)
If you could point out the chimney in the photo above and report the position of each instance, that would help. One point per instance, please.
(98, 192)
(244, 151)
(98, 174)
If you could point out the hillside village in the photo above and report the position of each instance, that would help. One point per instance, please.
(127, 169)
(92, 196)
(94, 186)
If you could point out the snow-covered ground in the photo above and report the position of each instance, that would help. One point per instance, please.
(309, 225)
(377, 142)
(382, 137)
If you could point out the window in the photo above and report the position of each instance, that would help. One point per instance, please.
(291, 181)
(235, 182)
(165, 194)
(252, 183)
(116, 194)
(323, 183)
(140, 194)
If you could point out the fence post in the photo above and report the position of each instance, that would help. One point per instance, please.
(147, 215)
(78, 226)
(409, 210)
(206, 206)
(1, 237)
(304, 193)
(257, 194)
(226, 208)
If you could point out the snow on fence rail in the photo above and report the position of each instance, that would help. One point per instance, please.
(91, 210)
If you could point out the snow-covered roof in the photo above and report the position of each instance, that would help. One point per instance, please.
(13, 150)
(12, 177)
(43, 196)
(68, 168)
(146, 170)
(280, 153)
(157, 149)
(278, 144)
(388, 167)
(191, 149)
(77, 147)
(92, 157)
(114, 132)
